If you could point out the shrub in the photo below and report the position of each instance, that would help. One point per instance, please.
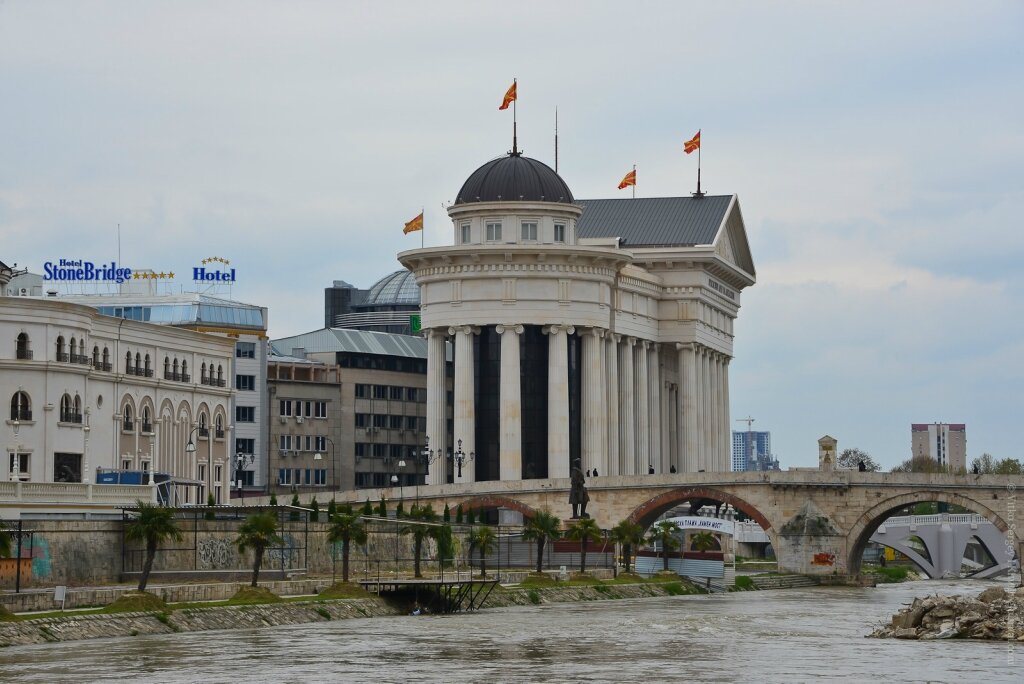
(294, 515)
(458, 514)
(447, 515)
(744, 583)
(322, 612)
(210, 501)
(273, 499)
(533, 596)
(315, 515)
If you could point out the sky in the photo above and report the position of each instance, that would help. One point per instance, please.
(877, 150)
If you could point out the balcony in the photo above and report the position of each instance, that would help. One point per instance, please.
(147, 428)
(219, 381)
(21, 414)
(63, 356)
(70, 417)
(24, 354)
(104, 366)
(204, 432)
(80, 359)
(129, 370)
(149, 372)
(185, 377)
(127, 425)
(219, 434)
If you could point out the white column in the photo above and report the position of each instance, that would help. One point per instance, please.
(611, 361)
(687, 409)
(594, 428)
(627, 446)
(558, 400)
(699, 397)
(465, 405)
(727, 432)
(668, 425)
(654, 408)
(437, 406)
(643, 417)
(511, 435)
(716, 414)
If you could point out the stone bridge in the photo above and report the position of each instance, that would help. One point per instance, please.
(818, 522)
(943, 541)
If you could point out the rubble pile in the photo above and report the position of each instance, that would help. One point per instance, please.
(994, 614)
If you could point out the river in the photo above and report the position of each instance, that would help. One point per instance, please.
(770, 636)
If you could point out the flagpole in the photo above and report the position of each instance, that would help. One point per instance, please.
(515, 151)
(634, 181)
(698, 193)
(423, 213)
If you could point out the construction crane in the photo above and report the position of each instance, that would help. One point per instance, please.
(750, 434)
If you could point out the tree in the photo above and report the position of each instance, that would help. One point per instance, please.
(852, 458)
(294, 515)
(382, 508)
(210, 501)
(257, 533)
(471, 517)
(540, 528)
(703, 541)
(152, 526)
(583, 530)
(458, 514)
(483, 539)
(314, 515)
(987, 465)
(400, 509)
(664, 533)
(447, 515)
(273, 499)
(420, 528)
(5, 540)
(346, 528)
(332, 510)
(921, 464)
(442, 534)
(629, 535)
(368, 508)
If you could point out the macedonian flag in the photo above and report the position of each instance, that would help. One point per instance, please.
(414, 225)
(510, 95)
(630, 179)
(692, 144)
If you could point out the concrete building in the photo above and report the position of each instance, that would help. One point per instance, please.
(244, 324)
(752, 450)
(90, 396)
(378, 414)
(339, 299)
(943, 442)
(592, 329)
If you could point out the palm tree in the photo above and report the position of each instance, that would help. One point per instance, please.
(540, 528)
(5, 541)
(630, 535)
(257, 533)
(664, 533)
(418, 527)
(583, 530)
(346, 528)
(484, 540)
(153, 526)
(703, 541)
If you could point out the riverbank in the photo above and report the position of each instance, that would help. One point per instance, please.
(76, 627)
(995, 614)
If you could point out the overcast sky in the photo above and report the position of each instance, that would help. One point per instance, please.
(876, 149)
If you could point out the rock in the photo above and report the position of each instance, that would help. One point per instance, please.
(939, 613)
(909, 633)
(992, 594)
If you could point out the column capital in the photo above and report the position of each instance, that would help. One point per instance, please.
(688, 346)
(516, 328)
(464, 329)
(615, 337)
(595, 332)
(630, 341)
(554, 329)
(646, 344)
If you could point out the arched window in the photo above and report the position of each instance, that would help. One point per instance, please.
(147, 426)
(167, 368)
(24, 348)
(96, 357)
(149, 371)
(127, 423)
(127, 362)
(138, 363)
(219, 434)
(203, 430)
(61, 354)
(21, 406)
(184, 371)
(74, 350)
(66, 409)
(202, 373)
(78, 409)
(176, 375)
(106, 359)
(220, 375)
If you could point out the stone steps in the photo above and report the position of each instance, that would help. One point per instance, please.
(783, 581)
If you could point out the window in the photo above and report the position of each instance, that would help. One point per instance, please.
(106, 359)
(285, 407)
(284, 476)
(380, 421)
(307, 476)
(380, 391)
(411, 422)
(413, 394)
(148, 369)
(362, 391)
(360, 449)
(285, 442)
(218, 473)
(184, 371)
(309, 443)
(559, 232)
(219, 425)
(220, 375)
(245, 445)
(529, 230)
(24, 349)
(67, 467)
(61, 354)
(127, 423)
(395, 393)
(19, 465)
(245, 350)
(321, 476)
(321, 443)
(309, 408)
(96, 358)
(21, 407)
(493, 232)
(128, 363)
(465, 233)
(362, 420)
(395, 422)
(379, 450)
(321, 409)
(245, 414)
(245, 382)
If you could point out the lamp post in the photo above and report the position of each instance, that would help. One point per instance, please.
(334, 463)
(461, 458)
(428, 457)
(242, 460)
(190, 448)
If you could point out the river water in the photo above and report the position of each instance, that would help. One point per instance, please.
(796, 635)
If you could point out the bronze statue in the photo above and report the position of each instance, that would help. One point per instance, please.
(578, 496)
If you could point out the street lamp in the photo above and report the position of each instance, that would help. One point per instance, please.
(190, 448)
(241, 461)
(461, 458)
(334, 463)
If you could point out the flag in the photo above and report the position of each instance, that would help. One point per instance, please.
(630, 179)
(510, 95)
(692, 144)
(414, 225)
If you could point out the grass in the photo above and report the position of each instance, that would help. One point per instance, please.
(890, 574)
(744, 583)
(249, 596)
(7, 616)
(323, 612)
(136, 602)
(345, 590)
(541, 580)
(533, 596)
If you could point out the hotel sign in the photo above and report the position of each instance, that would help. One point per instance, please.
(210, 274)
(81, 271)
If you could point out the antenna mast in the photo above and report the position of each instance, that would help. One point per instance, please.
(556, 139)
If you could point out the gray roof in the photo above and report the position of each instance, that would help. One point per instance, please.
(654, 221)
(393, 289)
(359, 341)
(514, 178)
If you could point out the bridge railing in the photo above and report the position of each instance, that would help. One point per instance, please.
(937, 519)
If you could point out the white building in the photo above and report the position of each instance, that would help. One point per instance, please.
(87, 392)
(593, 329)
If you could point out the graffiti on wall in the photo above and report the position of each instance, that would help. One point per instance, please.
(215, 554)
(824, 559)
(287, 556)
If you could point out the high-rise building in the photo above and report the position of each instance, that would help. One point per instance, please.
(943, 442)
(752, 450)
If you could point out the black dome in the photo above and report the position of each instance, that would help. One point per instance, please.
(514, 178)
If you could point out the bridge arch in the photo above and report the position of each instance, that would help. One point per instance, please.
(488, 501)
(647, 512)
(871, 519)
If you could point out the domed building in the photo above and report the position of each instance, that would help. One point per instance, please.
(598, 330)
(387, 306)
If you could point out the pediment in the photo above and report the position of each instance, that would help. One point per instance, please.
(731, 240)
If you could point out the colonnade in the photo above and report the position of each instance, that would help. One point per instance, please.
(636, 415)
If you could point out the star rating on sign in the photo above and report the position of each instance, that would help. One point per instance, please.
(210, 260)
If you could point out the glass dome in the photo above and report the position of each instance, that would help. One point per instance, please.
(398, 288)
